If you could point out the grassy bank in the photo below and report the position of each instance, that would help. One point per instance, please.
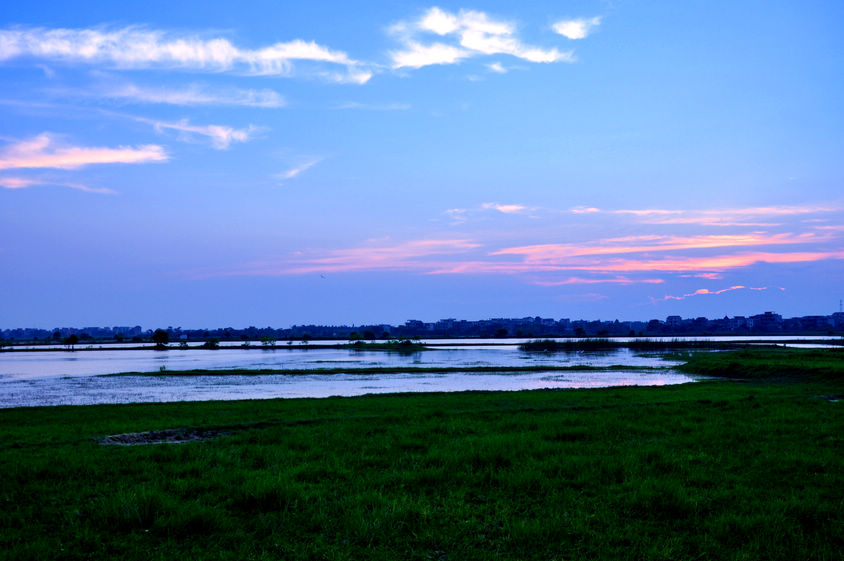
(603, 344)
(715, 470)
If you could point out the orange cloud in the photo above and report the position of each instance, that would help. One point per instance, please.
(39, 152)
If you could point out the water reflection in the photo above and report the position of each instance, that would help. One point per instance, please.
(86, 390)
(62, 363)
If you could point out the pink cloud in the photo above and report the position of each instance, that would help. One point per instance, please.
(40, 152)
(553, 253)
(747, 216)
(407, 256)
(713, 263)
(507, 209)
(582, 280)
(23, 183)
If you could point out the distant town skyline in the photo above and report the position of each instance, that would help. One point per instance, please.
(767, 323)
(208, 164)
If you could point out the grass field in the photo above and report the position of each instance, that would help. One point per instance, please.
(739, 469)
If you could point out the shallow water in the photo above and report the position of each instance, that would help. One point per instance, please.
(85, 390)
(76, 378)
(90, 363)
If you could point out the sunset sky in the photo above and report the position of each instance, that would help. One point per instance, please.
(203, 164)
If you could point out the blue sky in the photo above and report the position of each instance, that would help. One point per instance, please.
(195, 164)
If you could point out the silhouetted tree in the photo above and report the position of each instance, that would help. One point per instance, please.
(160, 338)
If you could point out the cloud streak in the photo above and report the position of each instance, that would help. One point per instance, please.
(138, 47)
(296, 171)
(42, 152)
(221, 136)
(405, 256)
(24, 183)
(707, 292)
(193, 95)
(746, 216)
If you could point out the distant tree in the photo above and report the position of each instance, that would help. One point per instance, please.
(369, 335)
(160, 338)
(500, 332)
(355, 336)
(71, 340)
(579, 332)
(212, 343)
(119, 337)
(57, 335)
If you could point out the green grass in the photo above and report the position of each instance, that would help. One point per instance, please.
(713, 470)
(604, 344)
(781, 363)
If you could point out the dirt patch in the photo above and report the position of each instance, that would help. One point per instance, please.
(166, 436)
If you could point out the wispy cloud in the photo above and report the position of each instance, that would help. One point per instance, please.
(23, 183)
(497, 67)
(411, 255)
(374, 106)
(475, 33)
(506, 209)
(192, 95)
(743, 216)
(297, 170)
(461, 215)
(221, 136)
(43, 151)
(558, 253)
(576, 28)
(138, 47)
(594, 280)
(707, 292)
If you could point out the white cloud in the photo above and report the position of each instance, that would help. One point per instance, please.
(137, 47)
(576, 28)
(416, 55)
(221, 136)
(42, 152)
(507, 209)
(295, 171)
(497, 68)
(475, 33)
(192, 95)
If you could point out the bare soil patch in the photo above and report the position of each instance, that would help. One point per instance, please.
(166, 436)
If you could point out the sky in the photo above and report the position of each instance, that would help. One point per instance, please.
(209, 164)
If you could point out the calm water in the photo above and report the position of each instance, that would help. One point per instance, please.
(92, 363)
(61, 377)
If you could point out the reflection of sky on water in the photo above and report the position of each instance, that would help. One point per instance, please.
(91, 363)
(82, 390)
